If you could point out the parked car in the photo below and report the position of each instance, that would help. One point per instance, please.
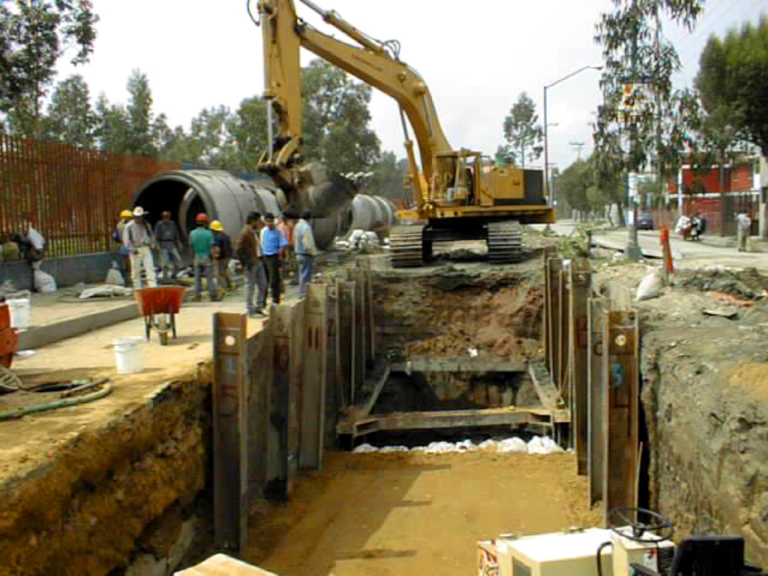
(645, 221)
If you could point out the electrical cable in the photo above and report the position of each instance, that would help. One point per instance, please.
(602, 547)
(63, 403)
(250, 13)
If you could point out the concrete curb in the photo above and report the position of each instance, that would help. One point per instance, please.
(39, 336)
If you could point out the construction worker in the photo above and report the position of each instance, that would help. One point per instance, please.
(306, 250)
(744, 228)
(125, 254)
(251, 258)
(274, 246)
(139, 241)
(201, 240)
(168, 242)
(222, 255)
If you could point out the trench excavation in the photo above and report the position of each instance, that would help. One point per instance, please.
(151, 479)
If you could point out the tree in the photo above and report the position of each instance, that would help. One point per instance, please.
(523, 132)
(388, 178)
(573, 184)
(34, 34)
(70, 116)
(504, 156)
(733, 83)
(249, 131)
(112, 126)
(140, 139)
(635, 53)
(336, 120)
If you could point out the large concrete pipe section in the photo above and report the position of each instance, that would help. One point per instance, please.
(371, 213)
(224, 197)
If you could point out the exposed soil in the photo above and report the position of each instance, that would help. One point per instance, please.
(705, 400)
(379, 515)
(448, 311)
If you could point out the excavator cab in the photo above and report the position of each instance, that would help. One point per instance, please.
(456, 181)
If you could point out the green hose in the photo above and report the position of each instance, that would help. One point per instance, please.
(64, 403)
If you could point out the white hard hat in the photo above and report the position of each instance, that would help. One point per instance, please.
(138, 212)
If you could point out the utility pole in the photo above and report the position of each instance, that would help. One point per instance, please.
(578, 146)
(633, 252)
(550, 194)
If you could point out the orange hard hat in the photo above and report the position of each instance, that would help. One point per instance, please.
(202, 217)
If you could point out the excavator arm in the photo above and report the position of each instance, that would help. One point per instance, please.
(373, 62)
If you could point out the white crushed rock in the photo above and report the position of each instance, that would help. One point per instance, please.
(538, 445)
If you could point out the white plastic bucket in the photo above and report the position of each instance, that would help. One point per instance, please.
(128, 355)
(21, 310)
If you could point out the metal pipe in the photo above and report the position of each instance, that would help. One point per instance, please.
(332, 18)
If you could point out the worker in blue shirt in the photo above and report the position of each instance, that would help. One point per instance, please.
(274, 247)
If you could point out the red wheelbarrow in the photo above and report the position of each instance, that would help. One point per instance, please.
(159, 307)
(9, 337)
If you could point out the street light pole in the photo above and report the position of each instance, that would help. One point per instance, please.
(546, 130)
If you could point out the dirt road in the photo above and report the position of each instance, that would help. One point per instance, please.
(381, 515)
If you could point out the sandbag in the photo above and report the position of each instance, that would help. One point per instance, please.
(114, 278)
(650, 287)
(44, 282)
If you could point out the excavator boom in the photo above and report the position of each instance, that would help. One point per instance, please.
(460, 193)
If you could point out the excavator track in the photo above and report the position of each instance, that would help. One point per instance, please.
(504, 242)
(406, 245)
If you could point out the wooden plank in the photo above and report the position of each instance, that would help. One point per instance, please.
(579, 288)
(371, 317)
(315, 357)
(422, 364)
(361, 339)
(547, 391)
(260, 370)
(621, 374)
(597, 399)
(563, 348)
(554, 266)
(347, 337)
(230, 432)
(280, 317)
(546, 332)
(380, 383)
(296, 392)
(333, 390)
(446, 419)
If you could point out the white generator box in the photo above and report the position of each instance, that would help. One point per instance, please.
(652, 555)
(560, 554)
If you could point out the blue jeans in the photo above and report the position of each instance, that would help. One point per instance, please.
(256, 284)
(306, 267)
(203, 266)
(169, 259)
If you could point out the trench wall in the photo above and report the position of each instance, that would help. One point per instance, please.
(96, 503)
(444, 315)
(707, 418)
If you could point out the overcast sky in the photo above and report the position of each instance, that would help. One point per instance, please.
(476, 56)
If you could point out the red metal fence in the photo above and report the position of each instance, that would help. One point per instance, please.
(71, 196)
(709, 208)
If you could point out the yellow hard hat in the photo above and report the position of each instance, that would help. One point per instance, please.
(216, 225)
(126, 214)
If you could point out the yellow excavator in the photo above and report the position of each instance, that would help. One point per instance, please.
(459, 194)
